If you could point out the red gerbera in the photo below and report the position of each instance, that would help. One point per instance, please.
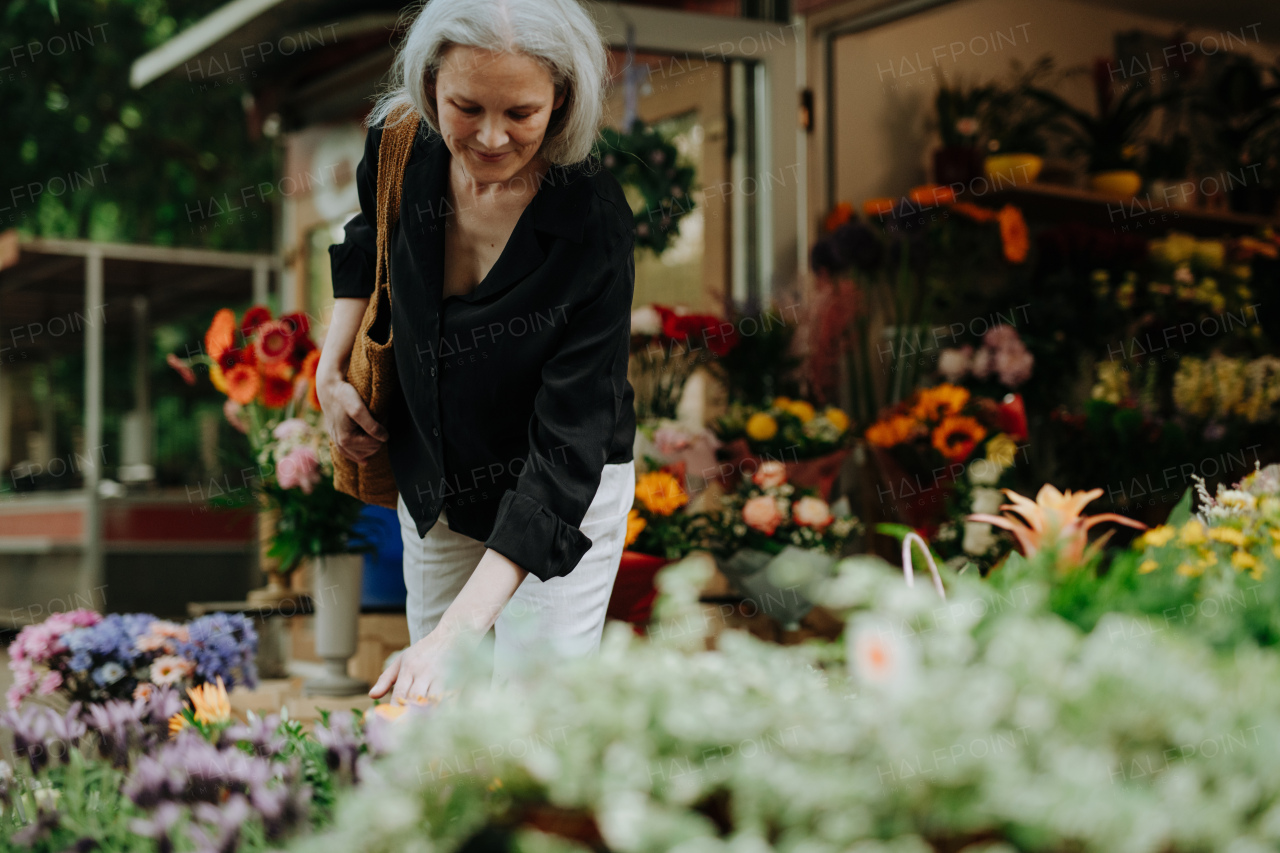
(276, 391)
(273, 342)
(253, 318)
(297, 324)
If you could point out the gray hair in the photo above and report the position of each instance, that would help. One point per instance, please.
(558, 34)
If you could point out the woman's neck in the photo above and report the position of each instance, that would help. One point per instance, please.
(520, 187)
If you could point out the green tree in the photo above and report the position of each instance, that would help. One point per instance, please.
(86, 155)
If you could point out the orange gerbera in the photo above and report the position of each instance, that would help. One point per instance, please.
(660, 492)
(930, 194)
(221, 335)
(635, 524)
(933, 404)
(957, 436)
(307, 373)
(877, 207)
(893, 430)
(1013, 234)
(838, 216)
(242, 383)
(210, 703)
(277, 390)
(974, 212)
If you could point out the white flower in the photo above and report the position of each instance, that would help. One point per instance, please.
(953, 363)
(646, 321)
(978, 538)
(984, 472)
(986, 500)
(880, 654)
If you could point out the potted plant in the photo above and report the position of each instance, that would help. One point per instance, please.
(774, 537)
(1242, 109)
(811, 442)
(1013, 123)
(959, 160)
(1109, 138)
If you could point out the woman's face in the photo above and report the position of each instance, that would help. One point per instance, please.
(493, 110)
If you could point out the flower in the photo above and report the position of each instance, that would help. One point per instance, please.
(109, 673)
(929, 195)
(221, 335)
(762, 513)
(957, 436)
(812, 512)
(771, 473)
(210, 703)
(978, 538)
(232, 411)
(184, 370)
(837, 417)
(1192, 533)
(243, 383)
(1002, 450)
(973, 211)
(1229, 535)
(880, 654)
(893, 431)
(170, 669)
(177, 723)
(762, 426)
(877, 207)
(290, 429)
(660, 492)
(1013, 234)
(1147, 567)
(635, 525)
(299, 469)
(953, 363)
(1157, 537)
(802, 410)
(646, 321)
(838, 216)
(277, 390)
(935, 403)
(274, 341)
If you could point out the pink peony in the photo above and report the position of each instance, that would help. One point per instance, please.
(812, 512)
(770, 474)
(299, 469)
(1013, 365)
(762, 513)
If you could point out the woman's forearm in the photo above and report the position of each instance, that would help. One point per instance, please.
(341, 337)
(495, 579)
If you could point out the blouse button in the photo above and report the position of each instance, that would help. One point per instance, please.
(433, 371)
(435, 430)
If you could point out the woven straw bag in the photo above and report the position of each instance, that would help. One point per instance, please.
(372, 367)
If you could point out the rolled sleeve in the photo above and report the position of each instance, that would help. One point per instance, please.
(575, 415)
(353, 262)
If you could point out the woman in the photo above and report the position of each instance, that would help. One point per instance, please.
(512, 276)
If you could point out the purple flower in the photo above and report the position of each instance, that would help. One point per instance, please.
(153, 783)
(222, 831)
(159, 826)
(341, 742)
(261, 734)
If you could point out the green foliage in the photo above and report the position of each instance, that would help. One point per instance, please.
(644, 160)
(91, 157)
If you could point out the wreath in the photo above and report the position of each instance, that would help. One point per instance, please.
(645, 161)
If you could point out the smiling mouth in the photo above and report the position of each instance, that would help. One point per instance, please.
(484, 156)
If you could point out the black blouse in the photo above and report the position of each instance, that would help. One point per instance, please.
(515, 395)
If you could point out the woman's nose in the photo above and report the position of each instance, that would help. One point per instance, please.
(491, 134)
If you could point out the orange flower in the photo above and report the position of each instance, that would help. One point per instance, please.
(242, 383)
(877, 207)
(218, 378)
(974, 212)
(221, 335)
(893, 431)
(635, 524)
(277, 390)
(1013, 234)
(177, 723)
(307, 373)
(274, 341)
(661, 493)
(957, 436)
(841, 214)
(1054, 520)
(933, 404)
(930, 194)
(211, 703)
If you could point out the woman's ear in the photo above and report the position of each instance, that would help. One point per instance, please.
(559, 101)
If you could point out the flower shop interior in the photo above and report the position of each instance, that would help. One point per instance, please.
(957, 514)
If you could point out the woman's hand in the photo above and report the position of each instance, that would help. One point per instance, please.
(418, 672)
(346, 418)
(348, 421)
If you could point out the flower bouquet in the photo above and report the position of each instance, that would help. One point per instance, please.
(775, 536)
(660, 530)
(667, 346)
(87, 657)
(675, 445)
(811, 444)
(925, 443)
(267, 369)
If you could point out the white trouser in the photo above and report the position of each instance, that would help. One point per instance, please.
(563, 615)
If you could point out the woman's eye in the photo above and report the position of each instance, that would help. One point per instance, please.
(470, 110)
(519, 116)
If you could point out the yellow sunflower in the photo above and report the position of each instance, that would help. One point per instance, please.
(893, 431)
(762, 426)
(934, 404)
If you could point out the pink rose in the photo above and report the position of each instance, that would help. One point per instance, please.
(762, 513)
(771, 473)
(299, 469)
(812, 512)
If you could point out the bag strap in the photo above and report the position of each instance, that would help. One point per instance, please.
(393, 155)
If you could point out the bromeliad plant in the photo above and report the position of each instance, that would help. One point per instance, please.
(267, 369)
(87, 657)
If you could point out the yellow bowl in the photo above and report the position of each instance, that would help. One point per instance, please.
(1012, 170)
(1120, 183)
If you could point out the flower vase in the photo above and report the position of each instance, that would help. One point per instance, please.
(277, 589)
(774, 582)
(335, 597)
(633, 590)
